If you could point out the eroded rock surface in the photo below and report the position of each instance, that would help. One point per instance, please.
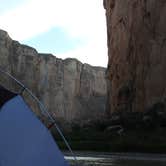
(69, 89)
(137, 54)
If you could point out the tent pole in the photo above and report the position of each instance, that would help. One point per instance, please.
(52, 120)
(43, 108)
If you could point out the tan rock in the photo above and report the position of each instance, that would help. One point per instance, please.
(69, 89)
(137, 53)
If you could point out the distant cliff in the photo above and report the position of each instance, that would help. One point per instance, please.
(137, 55)
(69, 89)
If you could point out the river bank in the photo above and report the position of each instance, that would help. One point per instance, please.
(132, 132)
(139, 140)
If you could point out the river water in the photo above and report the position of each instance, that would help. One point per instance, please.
(117, 159)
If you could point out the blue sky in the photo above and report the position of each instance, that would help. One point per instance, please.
(55, 40)
(65, 28)
(7, 5)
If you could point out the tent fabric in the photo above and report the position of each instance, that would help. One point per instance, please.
(5, 95)
(24, 140)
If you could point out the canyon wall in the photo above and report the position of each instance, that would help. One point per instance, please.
(136, 71)
(69, 89)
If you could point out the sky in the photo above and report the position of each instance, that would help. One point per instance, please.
(65, 28)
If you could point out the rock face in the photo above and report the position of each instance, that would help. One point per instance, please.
(69, 89)
(137, 54)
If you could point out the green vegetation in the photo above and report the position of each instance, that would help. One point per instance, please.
(122, 132)
(96, 138)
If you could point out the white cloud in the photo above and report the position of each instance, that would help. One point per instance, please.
(84, 19)
(91, 53)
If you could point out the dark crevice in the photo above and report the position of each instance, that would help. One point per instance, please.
(5, 95)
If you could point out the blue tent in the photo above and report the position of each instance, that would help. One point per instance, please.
(24, 140)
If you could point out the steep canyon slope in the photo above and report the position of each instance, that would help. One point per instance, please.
(137, 54)
(69, 89)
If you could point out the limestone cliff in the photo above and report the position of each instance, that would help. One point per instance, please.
(69, 89)
(137, 54)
